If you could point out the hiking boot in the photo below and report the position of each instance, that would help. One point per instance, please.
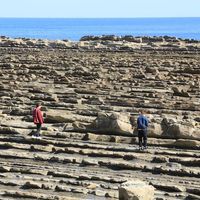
(145, 147)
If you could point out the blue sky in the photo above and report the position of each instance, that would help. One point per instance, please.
(100, 8)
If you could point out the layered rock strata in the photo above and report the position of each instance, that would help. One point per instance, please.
(91, 93)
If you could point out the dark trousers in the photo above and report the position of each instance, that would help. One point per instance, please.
(142, 137)
(39, 127)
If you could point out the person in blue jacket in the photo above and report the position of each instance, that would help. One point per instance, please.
(142, 124)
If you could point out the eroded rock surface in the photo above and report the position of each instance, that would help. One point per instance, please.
(91, 93)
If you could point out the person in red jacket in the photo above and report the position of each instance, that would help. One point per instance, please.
(38, 119)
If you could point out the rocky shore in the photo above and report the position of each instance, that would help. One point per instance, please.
(107, 43)
(91, 91)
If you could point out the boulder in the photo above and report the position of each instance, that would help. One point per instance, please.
(152, 70)
(155, 130)
(179, 129)
(181, 91)
(32, 185)
(114, 123)
(197, 119)
(136, 190)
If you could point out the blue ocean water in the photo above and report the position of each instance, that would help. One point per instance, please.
(74, 29)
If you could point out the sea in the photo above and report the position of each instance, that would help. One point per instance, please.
(74, 28)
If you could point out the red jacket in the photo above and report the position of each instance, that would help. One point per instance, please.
(37, 116)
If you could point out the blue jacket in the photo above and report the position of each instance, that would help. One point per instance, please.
(142, 122)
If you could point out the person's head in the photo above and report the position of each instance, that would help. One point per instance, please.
(38, 104)
(142, 112)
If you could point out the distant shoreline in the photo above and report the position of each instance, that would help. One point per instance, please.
(75, 28)
(119, 36)
(114, 38)
(107, 43)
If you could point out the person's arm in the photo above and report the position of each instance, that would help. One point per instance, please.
(34, 113)
(138, 122)
(146, 122)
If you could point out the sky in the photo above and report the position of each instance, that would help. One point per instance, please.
(99, 8)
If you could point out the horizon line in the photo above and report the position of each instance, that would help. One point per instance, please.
(94, 17)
